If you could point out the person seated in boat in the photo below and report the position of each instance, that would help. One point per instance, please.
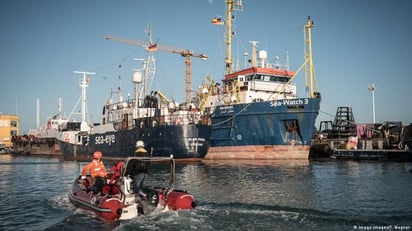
(140, 150)
(97, 172)
(112, 187)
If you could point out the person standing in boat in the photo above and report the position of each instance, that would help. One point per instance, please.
(97, 172)
(139, 173)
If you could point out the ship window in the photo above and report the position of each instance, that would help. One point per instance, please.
(266, 78)
(13, 123)
(282, 79)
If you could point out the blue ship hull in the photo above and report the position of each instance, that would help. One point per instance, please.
(280, 129)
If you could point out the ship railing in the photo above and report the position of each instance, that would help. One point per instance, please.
(171, 119)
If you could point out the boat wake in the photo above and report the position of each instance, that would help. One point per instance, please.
(240, 216)
(226, 216)
(60, 202)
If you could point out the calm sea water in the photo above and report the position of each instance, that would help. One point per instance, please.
(250, 195)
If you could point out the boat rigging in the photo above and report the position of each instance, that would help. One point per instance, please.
(151, 47)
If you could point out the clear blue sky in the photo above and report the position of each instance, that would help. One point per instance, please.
(355, 43)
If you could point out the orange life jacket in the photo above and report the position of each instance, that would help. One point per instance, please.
(96, 168)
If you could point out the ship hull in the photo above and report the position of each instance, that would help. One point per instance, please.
(279, 129)
(36, 146)
(183, 142)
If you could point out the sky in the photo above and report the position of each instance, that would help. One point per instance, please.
(355, 44)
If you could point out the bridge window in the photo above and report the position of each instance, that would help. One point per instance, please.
(268, 78)
(13, 123)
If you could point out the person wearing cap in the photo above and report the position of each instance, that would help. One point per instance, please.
(97, 172)
(140, 150)
(140, 174)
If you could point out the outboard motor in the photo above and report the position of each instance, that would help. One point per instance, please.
(149, 200)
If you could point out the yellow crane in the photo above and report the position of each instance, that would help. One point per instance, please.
(162, 96)
(186, 53)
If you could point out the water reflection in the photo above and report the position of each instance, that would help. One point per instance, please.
(280, 163)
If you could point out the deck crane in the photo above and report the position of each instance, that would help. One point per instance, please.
(186, 53)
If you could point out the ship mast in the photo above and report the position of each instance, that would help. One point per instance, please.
(232, 5)
(149, 66)
(310, 77)
(84, 83)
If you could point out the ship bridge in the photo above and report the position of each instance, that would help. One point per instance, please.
(260, 84)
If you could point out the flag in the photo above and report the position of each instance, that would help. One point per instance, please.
(152, 47)
(217, 21)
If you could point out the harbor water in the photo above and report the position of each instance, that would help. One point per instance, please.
(230, 195)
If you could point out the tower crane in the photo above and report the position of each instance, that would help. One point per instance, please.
(186, 53)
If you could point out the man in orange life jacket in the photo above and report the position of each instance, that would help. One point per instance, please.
(97, 171)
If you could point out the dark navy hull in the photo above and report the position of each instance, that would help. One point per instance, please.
(181, 141)
(264, 130)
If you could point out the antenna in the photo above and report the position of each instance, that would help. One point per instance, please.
(286, 64)
(372, 88)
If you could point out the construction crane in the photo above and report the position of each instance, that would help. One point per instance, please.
(150, 46)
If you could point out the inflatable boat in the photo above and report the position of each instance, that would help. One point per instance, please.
(125, 196)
